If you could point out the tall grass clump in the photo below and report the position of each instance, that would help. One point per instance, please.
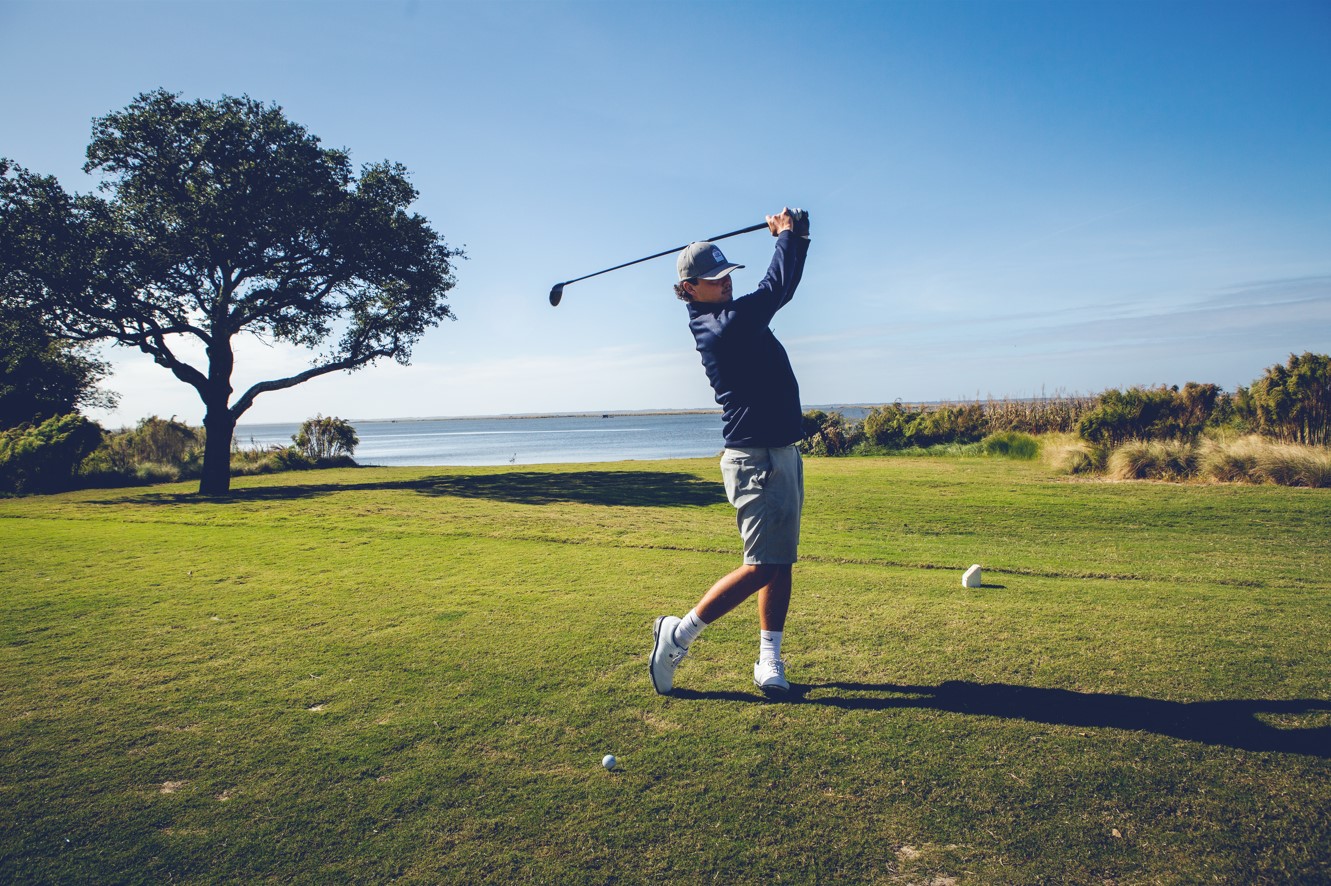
(1067, 453)
(1258, 460)
(1233, 461)
(1011, 444)
(276, 459)
(1153, 460)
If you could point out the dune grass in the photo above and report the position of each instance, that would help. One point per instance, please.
(371, 675)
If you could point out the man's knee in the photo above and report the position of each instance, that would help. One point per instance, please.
(770, 572)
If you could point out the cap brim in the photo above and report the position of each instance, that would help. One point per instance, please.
(720, 272)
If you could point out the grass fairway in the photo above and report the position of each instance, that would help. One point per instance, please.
(411, 675)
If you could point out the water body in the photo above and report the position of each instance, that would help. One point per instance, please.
(524, 441)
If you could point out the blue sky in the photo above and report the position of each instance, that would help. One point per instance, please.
(1007, 198)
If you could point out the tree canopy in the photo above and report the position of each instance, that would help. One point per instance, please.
(1292, 402)
(221, 218)
(42, 377)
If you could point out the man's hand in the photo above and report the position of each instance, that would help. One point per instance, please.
(782, 221)
(801, 228)
(795, 220)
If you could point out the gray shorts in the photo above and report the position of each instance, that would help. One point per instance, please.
(766, 486)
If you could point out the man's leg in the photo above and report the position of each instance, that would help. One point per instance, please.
(769, 672)
(771, 583)
(672, 636)
(774, 599)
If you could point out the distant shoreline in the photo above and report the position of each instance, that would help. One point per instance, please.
(523, 416)
(621, 413)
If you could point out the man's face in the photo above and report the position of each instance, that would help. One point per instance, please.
(712, 292)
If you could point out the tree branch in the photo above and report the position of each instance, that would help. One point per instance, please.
(156, 347)
(247, 399)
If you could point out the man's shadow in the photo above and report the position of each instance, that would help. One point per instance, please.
(1235, 724)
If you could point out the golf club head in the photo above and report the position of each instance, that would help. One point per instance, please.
(556, 293)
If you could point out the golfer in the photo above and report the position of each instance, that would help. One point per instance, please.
(761, 467)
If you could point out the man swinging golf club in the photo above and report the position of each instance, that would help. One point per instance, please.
(761, 467)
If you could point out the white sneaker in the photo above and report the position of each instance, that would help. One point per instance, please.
(666, 654)
(770, 676)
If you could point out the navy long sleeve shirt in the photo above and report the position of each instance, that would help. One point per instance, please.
(748, 368)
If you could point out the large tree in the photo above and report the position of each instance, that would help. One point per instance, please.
(222, 218)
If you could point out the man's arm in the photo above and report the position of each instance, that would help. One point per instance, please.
(784, 273)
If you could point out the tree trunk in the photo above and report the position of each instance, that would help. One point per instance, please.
(220, 427)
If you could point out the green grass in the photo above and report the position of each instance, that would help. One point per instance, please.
(412, 674)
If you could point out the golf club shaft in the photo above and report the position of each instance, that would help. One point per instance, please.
(637, 261)
(557, 292)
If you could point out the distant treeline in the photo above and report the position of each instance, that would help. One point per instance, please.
(1289, 405)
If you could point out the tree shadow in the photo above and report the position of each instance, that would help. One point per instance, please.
(611, 488)
(1231, 723)
(623, 488)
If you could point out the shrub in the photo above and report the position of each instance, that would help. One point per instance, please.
(157, 450)
(321, 438)
(1135, 414)
(278, 458)
(269, 461)
(947, 424)
(897, 426)
(44, 457)
(1196, 407)
(1159, 413)
(829, 433)
(155, 441)
(885, 426)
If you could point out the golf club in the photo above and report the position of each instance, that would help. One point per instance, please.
(557, 291)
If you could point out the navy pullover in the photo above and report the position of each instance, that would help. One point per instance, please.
(748, 368)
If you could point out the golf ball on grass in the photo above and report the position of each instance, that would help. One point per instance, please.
(609, 761)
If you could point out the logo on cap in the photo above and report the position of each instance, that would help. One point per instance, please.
(717, 256)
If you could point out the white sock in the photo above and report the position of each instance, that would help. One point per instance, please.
(688, 629)
(769, 645)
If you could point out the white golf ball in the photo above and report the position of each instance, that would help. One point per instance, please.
(609, 761)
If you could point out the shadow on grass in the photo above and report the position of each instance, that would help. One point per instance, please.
(1235, 724)
(622, 488)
